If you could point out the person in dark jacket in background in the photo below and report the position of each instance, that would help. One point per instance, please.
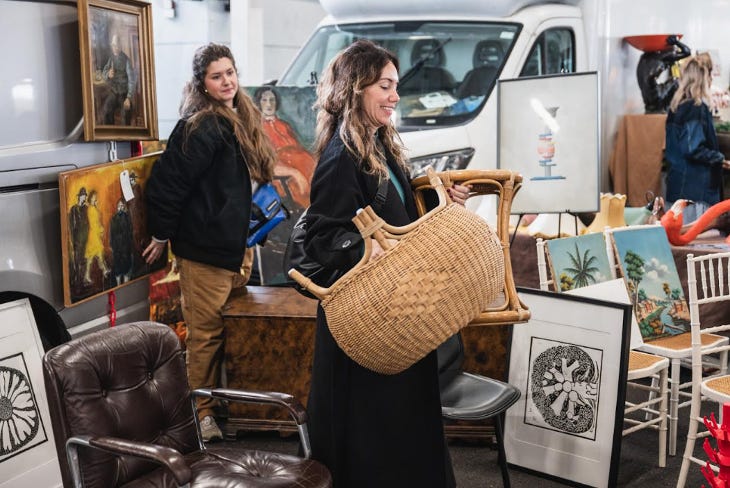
(369, 429)
(694, 161)
(199, 197)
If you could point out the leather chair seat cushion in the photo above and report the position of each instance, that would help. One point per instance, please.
(224, 467)
(473, 397)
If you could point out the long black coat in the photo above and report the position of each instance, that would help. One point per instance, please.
(370, 430)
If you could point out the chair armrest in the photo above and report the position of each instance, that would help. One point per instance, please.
(166, 456)
(295, 408)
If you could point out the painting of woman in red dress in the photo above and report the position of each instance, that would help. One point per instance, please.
(294, 165)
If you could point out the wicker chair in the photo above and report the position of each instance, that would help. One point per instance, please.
(501, 184)
(708, 281)
(123, 414)
(652, 413)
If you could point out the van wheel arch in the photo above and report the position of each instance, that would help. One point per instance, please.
(51, 326)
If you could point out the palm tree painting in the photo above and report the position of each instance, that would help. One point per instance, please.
(647, 266)
(578, 261)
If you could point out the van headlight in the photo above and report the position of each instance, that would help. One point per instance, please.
(458, 159)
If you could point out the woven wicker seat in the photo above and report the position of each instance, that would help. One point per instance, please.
(708, 281)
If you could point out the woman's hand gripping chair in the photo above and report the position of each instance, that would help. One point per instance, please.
(123, 415)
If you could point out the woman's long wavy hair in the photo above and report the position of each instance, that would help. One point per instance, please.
(340, 99)
(245, 118)
(694, 84)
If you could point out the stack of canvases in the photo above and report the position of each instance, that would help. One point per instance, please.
(447, 267)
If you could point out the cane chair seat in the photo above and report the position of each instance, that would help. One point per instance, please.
(717, 388)
(642, 364)
(682, 343)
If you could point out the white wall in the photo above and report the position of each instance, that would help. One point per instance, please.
(703, 24)
(264, 36)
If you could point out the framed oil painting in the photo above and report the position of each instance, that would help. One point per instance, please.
(570, 363)
(27, 450)
(104, 227)
(117, 70)
(289, 121)
(645, 262)
(548, 130)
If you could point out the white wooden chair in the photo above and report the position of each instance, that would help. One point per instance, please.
(713, 273)
(651, 413)
(675, 348)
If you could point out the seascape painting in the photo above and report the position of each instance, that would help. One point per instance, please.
(104, 227)
(647, 266)
(576, 262)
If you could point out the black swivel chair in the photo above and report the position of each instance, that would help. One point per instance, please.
(487, 61)
(467, 396)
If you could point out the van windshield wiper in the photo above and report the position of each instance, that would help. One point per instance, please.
(411, 72)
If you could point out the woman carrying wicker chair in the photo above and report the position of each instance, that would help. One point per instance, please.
(369, 429)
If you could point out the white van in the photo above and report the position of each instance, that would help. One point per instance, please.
(41, 130)
(451, 54)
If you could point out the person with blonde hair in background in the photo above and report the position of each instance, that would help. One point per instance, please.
(199, 197)
(694, 162)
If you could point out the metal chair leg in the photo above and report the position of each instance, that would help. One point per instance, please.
(501, 456)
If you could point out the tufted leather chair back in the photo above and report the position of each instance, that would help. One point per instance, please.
(128, 382)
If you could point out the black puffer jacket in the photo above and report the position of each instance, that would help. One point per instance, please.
(199, 195)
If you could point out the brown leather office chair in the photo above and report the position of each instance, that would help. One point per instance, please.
(123, 415)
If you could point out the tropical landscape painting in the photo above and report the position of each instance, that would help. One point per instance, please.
(578, 261)
(646, 263)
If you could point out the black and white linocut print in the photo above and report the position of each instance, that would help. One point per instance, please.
(21, 427)
(563, 387)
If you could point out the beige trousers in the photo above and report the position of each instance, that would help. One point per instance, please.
(205, 289)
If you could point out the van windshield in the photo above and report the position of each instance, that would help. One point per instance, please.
(447, 69)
